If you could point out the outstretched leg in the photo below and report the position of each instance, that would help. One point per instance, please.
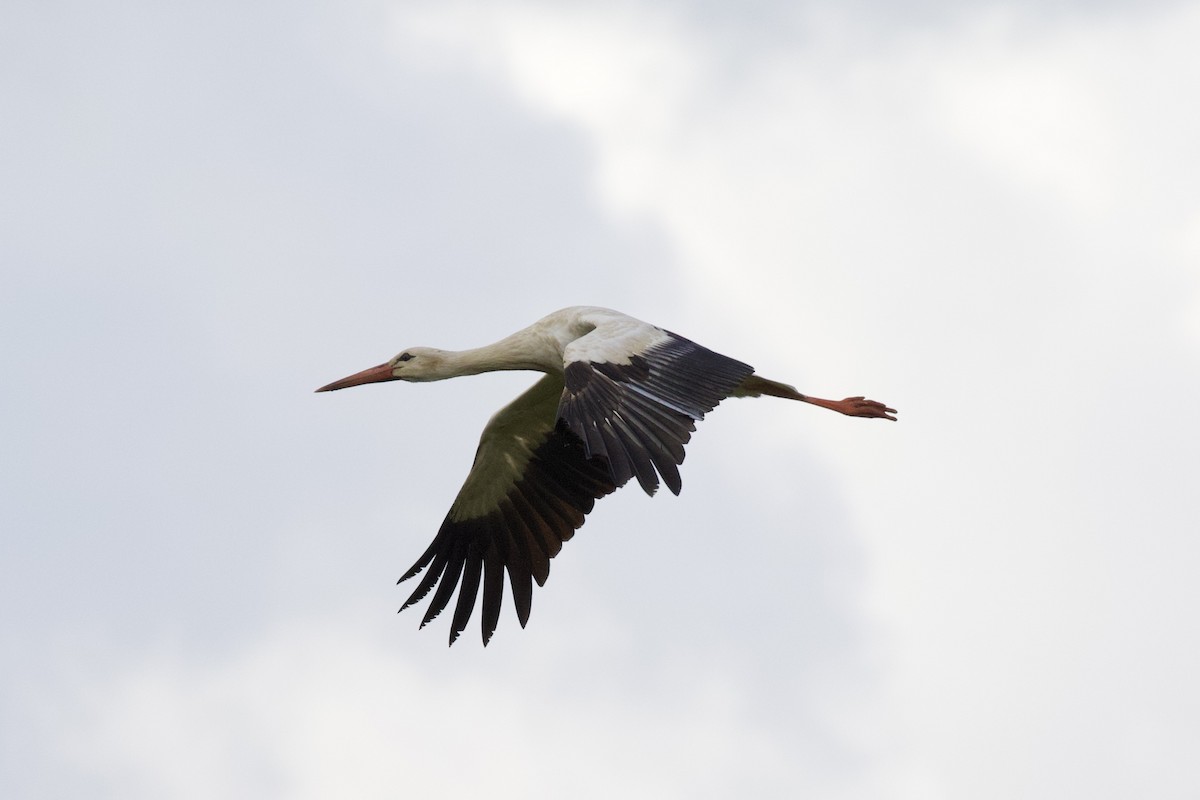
(756, 386)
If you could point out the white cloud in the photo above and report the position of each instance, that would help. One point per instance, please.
(619, 72)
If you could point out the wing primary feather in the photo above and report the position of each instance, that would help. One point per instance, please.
(619, 461)
(493, 592)
(539, 558)
(518, 562)
(593, 439)
(559, 519)
(469, 591)
(675, 432)
(639, 456)
(422, 562)
(431, 577)
(446, 587)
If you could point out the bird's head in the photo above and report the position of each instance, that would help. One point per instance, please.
(413, 364)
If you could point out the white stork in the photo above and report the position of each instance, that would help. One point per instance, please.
(619, 400)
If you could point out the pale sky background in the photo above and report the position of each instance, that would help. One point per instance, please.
(986, 215)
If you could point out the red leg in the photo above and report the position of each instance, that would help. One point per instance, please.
(855, 407)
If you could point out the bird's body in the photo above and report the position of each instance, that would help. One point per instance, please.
(619, 400)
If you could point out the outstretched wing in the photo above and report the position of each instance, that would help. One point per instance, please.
(624, 407)
(636, 410)
(528, 491)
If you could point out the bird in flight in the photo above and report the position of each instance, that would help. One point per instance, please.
(619, 400)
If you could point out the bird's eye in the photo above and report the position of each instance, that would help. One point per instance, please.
(404, 357)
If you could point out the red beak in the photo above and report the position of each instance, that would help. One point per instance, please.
(383, 372)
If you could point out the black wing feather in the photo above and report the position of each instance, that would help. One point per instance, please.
(643, 412)
(541, 510)
(472, 572)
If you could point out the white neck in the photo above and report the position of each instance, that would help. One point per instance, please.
(519, 351)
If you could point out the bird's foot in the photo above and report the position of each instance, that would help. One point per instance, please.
(862, 407)
(856, 407)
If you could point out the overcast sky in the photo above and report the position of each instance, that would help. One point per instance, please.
(985, 215)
